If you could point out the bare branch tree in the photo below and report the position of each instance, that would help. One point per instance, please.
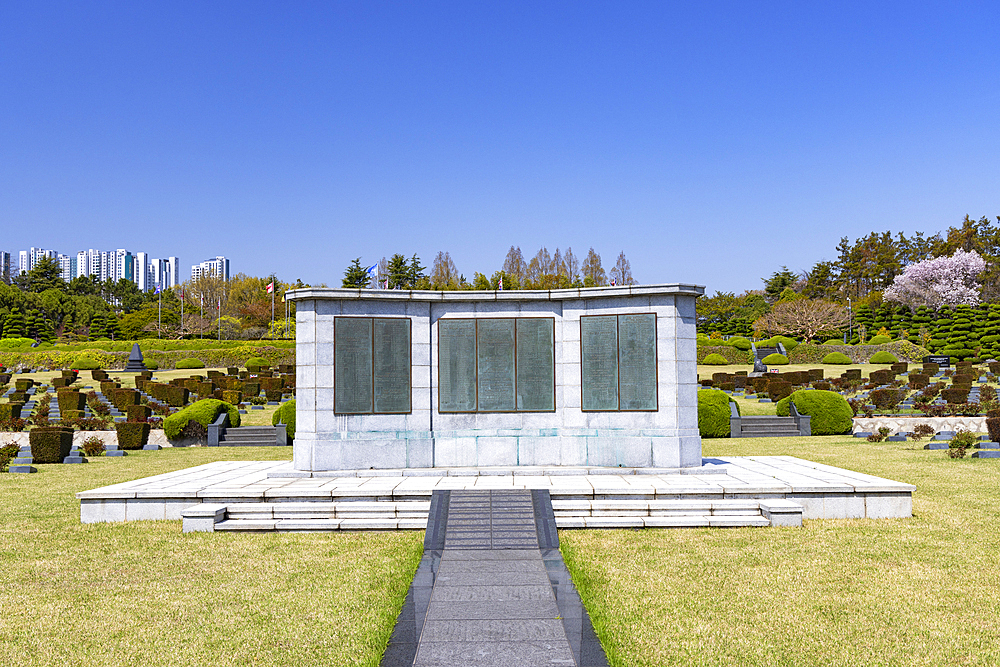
(803, 317)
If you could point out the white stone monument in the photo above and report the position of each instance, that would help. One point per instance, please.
(601, 376)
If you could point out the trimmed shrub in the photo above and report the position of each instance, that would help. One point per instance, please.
(7, 453)
(918, 380)
(715, 360)
(138, 412)
(739, 342)
(778, 389)
(879, 340)
(838, 358)
(98, 375)
(834, 341)
(23, 384)
(151, 365)
(190, 362)
(251, 388)
(955, 395)
(257, 362)
(273, 395)
(10, 411)
(70, 400)
(176, 397)
(122, 398)
(883, 357)
(775, 359)
(132, 435)
(50, 444)
(86, 363)
(713, 413)
(232, 397)
(830, 412)
(286, 415)
(204, 412)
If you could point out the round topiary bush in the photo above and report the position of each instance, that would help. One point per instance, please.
(188, 363)
(204, 412)
(789, 343)
(775, 360)
(285, 415)
(715, 360)
(260, 362)
(834, 341)
(713, 413)
(836, 358)
(741, 343)
(879, 340)
(85, 363)
(151, 365)
(830, 412)
(883, 357)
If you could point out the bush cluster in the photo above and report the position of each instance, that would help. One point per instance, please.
(713, 413)
(204, 412)
(829, 411)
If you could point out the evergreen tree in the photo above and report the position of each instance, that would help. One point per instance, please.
(355, 275)
(399, 272)
(414, 272)
(14, 326)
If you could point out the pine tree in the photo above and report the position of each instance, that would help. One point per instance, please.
(355, 275)
(14, 326)
(399, 272)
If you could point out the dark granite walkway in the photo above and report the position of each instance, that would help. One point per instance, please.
(492, 589)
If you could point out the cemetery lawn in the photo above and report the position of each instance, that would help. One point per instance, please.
(143, 593)
(919, 591)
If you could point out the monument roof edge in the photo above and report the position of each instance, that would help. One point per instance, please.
(340, 293)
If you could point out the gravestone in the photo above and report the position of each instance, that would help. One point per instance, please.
(420, 379)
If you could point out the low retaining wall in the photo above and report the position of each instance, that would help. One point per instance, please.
(157, 437)
(907, 424)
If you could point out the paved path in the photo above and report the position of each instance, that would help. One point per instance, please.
(492, 589)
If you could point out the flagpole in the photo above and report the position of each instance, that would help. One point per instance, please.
(159, 311)
(273, 290)
(182, 313)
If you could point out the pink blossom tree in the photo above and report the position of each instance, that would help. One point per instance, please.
(939, 282)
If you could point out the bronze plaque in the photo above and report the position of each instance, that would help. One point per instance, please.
(599, 362)
(495, 365)
(456, 365)
(352, 358)
(637, 362)
(536, 373)
(391, 365)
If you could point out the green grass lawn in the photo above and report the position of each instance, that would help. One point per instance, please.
(143, 593)
(919, 591)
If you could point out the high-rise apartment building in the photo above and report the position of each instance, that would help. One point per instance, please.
(211, 267)
(141, 271)
(68, 264)
(5, 267)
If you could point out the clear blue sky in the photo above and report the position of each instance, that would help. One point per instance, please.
(711, 142)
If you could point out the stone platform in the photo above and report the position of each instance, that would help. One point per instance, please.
(715, 494)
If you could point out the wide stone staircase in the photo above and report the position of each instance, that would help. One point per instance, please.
(252, 436)
(764, 351)
(412, 514)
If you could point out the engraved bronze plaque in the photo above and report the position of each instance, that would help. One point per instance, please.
(391, 365)
(456, 365)
(352, 358)
(495, 365)
(599, 362)
(637, 362)
(536, 374)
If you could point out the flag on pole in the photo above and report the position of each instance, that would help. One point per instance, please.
(613, 281)
(182, 295)
(270, 287)
(370, 273)
(157, 290)
(500, 283)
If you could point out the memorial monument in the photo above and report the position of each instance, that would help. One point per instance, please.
(602, 376)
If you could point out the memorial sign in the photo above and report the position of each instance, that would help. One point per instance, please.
(457, 365)
(536, 381)
(618, 362)
(352, 351)
(391, 386)
(637, 362)
(942, 360)
(495, 365)
(599, 361)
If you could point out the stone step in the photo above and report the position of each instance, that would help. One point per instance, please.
(412, 515)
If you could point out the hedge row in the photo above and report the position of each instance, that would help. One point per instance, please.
(731, 354)
(212, 358)
(858, 354)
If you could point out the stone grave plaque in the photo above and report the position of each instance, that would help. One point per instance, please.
(599, 362)
(536, 380)
(495, 343)
(637, 362)
(456, 365)
(391, 365)
(352, 359)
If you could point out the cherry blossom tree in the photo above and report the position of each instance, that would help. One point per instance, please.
(939, 282)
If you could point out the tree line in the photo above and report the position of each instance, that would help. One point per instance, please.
(39, 304)
(958, 266)
(544, 271)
